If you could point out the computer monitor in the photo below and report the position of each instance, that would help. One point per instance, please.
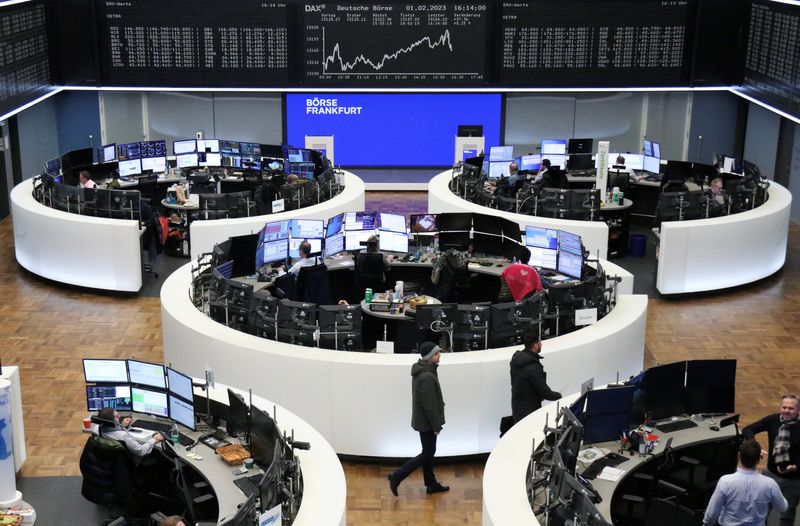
(569, 444)
(263, 434)
(556, 161)
(130, 167)
(307, 228)
(499, 170)
(470, 130)
(209, 159)
(115, 396)
(153, 149)
(607, 414)
(105, 371)
(730, 165)
(296, 314)
(181, 147)
(180, 384)
(454, 240)
(150, 402)
(580, 146)
(294, 246)
(182, 412)
(710, 386)
(487, 224)
(431, 317)
(501, 154)
(186, 160)
(335, 225)
(229, 147)
(423, 224)
(580, 162)
(128, 151)
(249, 149)
(584, 199)
(530, 163)
(154, 164)
(208, 145)
(510, 316)
(339, 318)
(487, 244)
(274, 230)
(557, 147)
(272, 251)
(145, 373)
(541, 237)
(231, 161)
(269, 491)
(647, 148)
(651, 164)
(360, 221)
(454, 222)
(570, 264)
(393, 242)
(546, 258)
(53, 166)
(107, 153)
(334, 244)
(569, 242)
(664, 388)
(656, 149)
(238, 423)
(354, 240)
(392, 222)
(475, 162)
(245, 514)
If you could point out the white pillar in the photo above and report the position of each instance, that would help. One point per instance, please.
(9, 496)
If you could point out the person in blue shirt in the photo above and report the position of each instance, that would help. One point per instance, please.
(744, 498)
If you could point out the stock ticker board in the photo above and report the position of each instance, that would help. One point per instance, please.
(24, 62)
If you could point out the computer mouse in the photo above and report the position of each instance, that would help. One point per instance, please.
(714, 428)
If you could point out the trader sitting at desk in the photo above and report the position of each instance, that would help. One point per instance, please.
(304, 250)
(119, 431)
(85, 180)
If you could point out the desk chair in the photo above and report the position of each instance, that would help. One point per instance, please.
(369, 272)
(313, 285)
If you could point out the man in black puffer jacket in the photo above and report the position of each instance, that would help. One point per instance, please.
(528, 379)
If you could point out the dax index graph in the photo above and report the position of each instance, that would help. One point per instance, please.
(389, 44)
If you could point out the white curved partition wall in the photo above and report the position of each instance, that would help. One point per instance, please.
(87, 251)
(204, 234)
(722, 252)
(361, 402)
(594, 234)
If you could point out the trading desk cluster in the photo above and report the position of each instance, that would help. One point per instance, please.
(464, 307)
(617, 428)
(233, 179)
(163, 399)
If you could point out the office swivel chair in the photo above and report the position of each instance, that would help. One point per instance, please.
(313, 285)
(369, 272)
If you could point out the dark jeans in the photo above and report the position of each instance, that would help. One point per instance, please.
(424, 459)
(791, 490)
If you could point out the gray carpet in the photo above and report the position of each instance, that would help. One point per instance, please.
(58, 501)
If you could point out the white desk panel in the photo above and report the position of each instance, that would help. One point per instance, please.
(205, 233)
(87, 251)
(594, 234)
(722, 252)
(361, 402)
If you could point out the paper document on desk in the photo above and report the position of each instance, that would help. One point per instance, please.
(611, 474)
(346, 262)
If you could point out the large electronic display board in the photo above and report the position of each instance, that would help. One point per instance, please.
(772, 60)
(24, 63)
(193, 43)
(591, 43)
(373, 129)
(410, 43)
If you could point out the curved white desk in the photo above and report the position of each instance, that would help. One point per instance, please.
(361, 402)
(87, 251)
(324, 485)
(722, 252)
(204, 234)
(594, 234)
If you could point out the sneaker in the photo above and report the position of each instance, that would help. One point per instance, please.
(437, 488)
(392, 483)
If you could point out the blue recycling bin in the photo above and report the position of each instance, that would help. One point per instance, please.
(637, 245)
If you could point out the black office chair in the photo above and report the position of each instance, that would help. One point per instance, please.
(313, 285)
(369, 271)
(453, 286)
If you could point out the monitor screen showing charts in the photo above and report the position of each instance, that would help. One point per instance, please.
(334, 244)
(105, 371)
(393, 242)
(149, 402)
(182, 412)
(145, 373)
(501, 153)
(392, 222)
(306, 228)
(353, 239)
(541, 237)
(294, 246)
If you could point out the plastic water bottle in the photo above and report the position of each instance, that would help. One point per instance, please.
(173, 434)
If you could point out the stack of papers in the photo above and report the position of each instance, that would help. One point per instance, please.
(611, 474)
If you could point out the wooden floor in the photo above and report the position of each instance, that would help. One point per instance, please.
(47, 328)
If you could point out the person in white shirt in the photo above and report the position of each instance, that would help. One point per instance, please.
(119, 431)
(304, 250)
(85, 180)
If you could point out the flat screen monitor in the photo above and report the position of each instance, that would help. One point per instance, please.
(273, 251)
(423, 224)
(360, 221)
(105, 371)
(294, 246)
(530, 163)
(488, 244)
(238, 423)
(354, 239)
(299, 155)
(664, 389)
(274, 230)
(541, 237)
(180, 147)
(154, 164)
(393, 242)
(335, 225)
(131, 167)
(245, 514)
(608, 413)
(250, 149)
(250, 163)
(307, 228)
(180, 384)
(656, 150)
(334, 244)
(487, 224)
(647, 148)
(501, 153)
(710, 386)
(554, 147)
(470, 130)
(153, 149)
(209, 159)
(730, 165)
(633, 161)
(182, 412)
(269, 491)
(555, 160)
(128, 151)
(229, 147)
(569, 242)
(580, 162)
(186, 160)
(546, 258)
(263, 434)
(116, 396)
(53, 166)
(499, 170)
(392, 222)
(651, 164)
(145, 373)
(208, 145)
(570, 264)
(580, 146)
(454, 222)
(108, 153)
(150, 402)
(231, 161)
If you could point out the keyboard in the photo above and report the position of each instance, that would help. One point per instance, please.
(677, 425)
(160, 427)
(248, 485)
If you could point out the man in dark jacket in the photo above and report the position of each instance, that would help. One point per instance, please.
(783, 431)
(528, 379)
(427, 417)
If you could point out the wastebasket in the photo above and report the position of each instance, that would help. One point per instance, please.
(637, 245)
